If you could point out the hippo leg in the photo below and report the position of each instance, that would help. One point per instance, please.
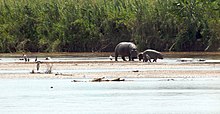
(116, 57)
(140, 56)
(130, 59)
(123, 58)
(146, 58)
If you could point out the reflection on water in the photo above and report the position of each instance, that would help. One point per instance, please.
(152, 95)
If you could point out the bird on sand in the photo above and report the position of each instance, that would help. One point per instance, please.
(110, 57)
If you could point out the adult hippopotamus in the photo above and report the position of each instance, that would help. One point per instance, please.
(153, 54)
(124, 49)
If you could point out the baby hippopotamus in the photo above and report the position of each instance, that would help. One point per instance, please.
(149, 54)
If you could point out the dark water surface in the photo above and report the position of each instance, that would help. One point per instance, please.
(140, 96)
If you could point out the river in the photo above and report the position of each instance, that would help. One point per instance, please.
(135, 96)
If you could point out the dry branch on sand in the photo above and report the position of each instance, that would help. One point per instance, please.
(102, 80)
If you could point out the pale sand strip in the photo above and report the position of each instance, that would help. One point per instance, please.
(156, 70)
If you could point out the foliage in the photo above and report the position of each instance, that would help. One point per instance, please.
(99, 25)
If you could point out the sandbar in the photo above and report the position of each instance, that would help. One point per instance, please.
(110, 69)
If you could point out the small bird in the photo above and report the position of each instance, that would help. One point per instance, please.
(110, 57)
(25, 57)
(48, 58)
(38, 65)
(36, 59)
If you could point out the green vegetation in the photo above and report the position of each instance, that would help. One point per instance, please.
(98, 25)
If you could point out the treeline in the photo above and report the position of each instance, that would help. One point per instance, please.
(99, 25)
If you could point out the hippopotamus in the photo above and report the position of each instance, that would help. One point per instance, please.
(124, 49)
(153, 54)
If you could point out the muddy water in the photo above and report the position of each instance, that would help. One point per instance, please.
(140, 96)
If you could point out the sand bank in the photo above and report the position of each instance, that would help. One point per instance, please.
(111, 69)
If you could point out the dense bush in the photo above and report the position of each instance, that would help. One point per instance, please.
(98, 25)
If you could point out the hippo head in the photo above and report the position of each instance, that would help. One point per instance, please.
(134, 54)
(140, 56)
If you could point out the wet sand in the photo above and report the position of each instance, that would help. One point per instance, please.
(135, 70)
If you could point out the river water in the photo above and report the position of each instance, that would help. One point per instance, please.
(135, 96)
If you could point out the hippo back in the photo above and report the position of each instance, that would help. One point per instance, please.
(153, 54)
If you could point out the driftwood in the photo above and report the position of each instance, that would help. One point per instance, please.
(117, 79)
(77, 81)
(101, 80)
(98, 79)
(106, 80)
